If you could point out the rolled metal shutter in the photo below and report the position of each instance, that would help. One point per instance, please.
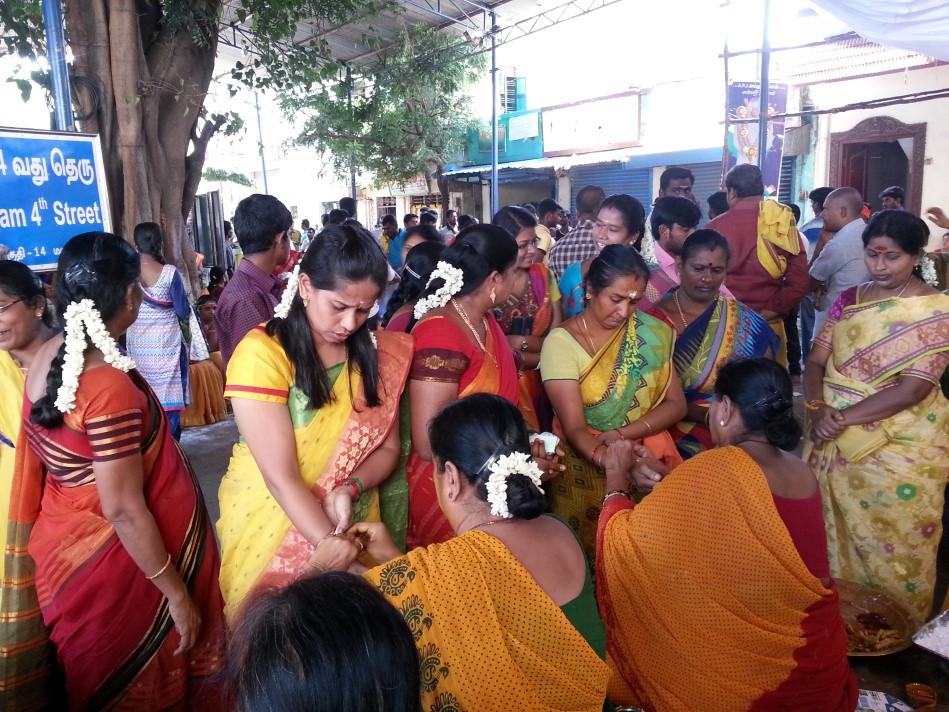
(786, 182)
(708, 180)
(612, 178)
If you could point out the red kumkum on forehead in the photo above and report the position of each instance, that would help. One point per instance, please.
(880, 250)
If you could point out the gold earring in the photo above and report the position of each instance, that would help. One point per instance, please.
(721, 423)
(493, 295)
(306, 302)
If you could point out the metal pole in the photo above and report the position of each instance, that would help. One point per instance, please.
(352, 166)
(260, 143)
(494, 116)
(765, 71)
(56, 46)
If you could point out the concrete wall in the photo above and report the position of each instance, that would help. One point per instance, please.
(935, 183)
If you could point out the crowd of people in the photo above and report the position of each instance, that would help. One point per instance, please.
(513, 465)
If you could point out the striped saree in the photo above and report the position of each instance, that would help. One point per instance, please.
(113, 633)
(726, 330)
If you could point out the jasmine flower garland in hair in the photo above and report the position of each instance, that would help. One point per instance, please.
(647, 248)
(290, 291)
(928, 269)
(454, 282)
(79, 316)
(517, 463)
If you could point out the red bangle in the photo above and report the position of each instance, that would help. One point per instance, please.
(354, 488)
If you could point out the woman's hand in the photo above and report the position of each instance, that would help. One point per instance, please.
(376, 539)
(827, 423)
(187, 620)
(338, 505)
(618, 460)
(937, 216)
(551, 465)
(647, 471)
(610, 436)
(335, 552)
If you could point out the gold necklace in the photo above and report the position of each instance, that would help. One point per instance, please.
(586, 332)
(675, 297)
(900, 293)
(464, 318)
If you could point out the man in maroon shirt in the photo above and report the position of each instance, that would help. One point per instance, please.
(774, 288)
(262, 224)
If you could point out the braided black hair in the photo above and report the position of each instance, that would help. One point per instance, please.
(94, 265)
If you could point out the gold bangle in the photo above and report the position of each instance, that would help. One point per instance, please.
(615, 493)
(161, 570)
(814, 404)
(620, 433)
(648, 426)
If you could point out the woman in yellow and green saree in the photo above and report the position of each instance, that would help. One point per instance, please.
(879, 423)
(316, 397)
(609, 375)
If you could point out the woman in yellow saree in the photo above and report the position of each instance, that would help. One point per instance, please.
(879, 423)
(610, 376)
(27, 662)
(503, 614)
(316, 397)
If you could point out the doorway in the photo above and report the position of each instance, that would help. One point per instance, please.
(877, 153)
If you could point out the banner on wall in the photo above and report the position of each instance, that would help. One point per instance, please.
(744, 102)
(52, 187)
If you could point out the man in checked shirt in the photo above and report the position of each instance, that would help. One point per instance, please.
(578, 244)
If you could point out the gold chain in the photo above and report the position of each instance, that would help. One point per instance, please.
(586, 332)
(464, 318)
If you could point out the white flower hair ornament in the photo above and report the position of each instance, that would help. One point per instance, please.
(454, 283)
(290, 291)
(928, 269)
(647, 248)
(517, 463)
(82, 320)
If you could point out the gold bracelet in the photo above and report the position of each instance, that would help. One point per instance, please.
(161, 570)
(648, 426)
(814, 404)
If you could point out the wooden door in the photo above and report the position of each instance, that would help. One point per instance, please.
(855, 160)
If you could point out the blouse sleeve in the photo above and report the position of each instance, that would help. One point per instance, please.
(114, 414)
(259, 369)
(438, 352)
(825, 336)
(929, 368)
(559, 358)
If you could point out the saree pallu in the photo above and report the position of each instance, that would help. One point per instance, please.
(532, 400)
(492, 371)
(207, 404)
(883, 484)
(711, 607)
(111, 626)
(726, 330)
(29, 678)
(488, 637)
(626, 379)
(260, 546)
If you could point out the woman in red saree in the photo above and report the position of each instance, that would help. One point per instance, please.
(459, 350)
(126, 563)
(528, 314)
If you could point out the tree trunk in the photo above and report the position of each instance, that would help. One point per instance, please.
(442, 181)
(152, 86)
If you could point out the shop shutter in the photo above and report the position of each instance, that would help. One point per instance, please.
(612, 178)
(786, 183)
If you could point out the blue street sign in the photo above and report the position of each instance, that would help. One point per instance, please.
(52, 187)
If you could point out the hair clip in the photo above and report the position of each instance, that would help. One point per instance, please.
(80, 275)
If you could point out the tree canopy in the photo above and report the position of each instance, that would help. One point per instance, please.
(409, 112)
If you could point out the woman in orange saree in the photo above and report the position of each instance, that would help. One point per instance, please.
(126, 563)
(459, 350)
(316, 398)
(728, 605)
(528, 314)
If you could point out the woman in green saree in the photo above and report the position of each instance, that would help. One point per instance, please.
(608, 372)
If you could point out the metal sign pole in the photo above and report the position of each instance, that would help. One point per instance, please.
(56, 46)
(765, 88)
(494, 116)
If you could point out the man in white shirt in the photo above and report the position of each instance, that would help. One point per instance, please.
(840, 264)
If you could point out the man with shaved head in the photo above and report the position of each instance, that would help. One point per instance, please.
(840, 264)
